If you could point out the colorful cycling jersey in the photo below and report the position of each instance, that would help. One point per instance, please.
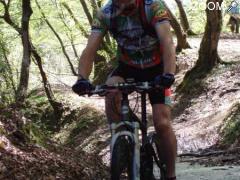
(135, 47)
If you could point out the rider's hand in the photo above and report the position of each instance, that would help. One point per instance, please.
(165, 80)
(82, 86)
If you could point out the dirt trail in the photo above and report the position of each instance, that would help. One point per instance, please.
(196, 172)
(186, 171)
(197, 124)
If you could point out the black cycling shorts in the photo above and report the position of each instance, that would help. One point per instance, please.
(142, 75)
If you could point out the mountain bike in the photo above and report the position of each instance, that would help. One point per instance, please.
(131, 157)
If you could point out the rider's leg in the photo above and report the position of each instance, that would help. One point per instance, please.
(167, 138)
(113, 100)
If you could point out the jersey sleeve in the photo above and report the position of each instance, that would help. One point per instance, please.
(98, 24)
(158, 12)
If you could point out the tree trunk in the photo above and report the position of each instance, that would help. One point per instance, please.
(57, 107)
(208, 53)
(29, 50)
(24, 77)
(184, 19)
(181, 36)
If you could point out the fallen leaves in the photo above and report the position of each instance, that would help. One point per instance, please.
(22, 161)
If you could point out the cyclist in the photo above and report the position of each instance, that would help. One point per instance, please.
(145, 53)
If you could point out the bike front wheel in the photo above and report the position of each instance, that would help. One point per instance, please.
(121, 158)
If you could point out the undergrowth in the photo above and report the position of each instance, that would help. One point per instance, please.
(231, 130)
(75, 121)
(81, 123)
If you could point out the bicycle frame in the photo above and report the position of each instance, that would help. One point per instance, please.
(131, 125)
(134, 134)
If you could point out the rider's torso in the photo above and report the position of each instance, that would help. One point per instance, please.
(136, 47)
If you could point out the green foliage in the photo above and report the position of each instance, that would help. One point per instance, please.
(196, 15)
(19, 129)
(81, 121)
(231, 130)
(38, 109)
(43, 125)
(7, 88)
(46, 43)
(2, 130)
(89, 117)
(35, 134)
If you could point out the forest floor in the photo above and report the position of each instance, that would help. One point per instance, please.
(80, 148)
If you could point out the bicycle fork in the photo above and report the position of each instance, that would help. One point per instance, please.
(132, 132)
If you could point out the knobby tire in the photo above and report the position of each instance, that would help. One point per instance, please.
(121, 160)
(156, 157)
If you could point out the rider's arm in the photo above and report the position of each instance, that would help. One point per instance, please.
(169, 54)
(88, 55)
(160, 20)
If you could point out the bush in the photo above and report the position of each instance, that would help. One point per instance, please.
(231, 131)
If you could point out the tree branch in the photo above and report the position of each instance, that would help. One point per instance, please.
(70, 34)
(80, 27)
(211, 153)
(86, 11)
(7, 17)
(58, 37)
(3, 3)
(8, 3)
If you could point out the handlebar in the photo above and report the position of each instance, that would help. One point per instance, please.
(125, 87)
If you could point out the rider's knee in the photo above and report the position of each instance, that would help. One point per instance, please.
(113, 96)
(113, 80)
(163, 126)
(113, 100)
(162, 122)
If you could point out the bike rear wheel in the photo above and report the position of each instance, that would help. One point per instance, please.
(121, 159)
(159, 171)
(146, 168)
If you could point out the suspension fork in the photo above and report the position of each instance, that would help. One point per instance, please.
(125, 109)
(144, 118)
(126, 115)
(134, 135)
